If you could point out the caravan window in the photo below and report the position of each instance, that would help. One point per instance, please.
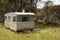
(32, 18)
(25, 18)
(22, 18)
(19, 18)
(14, 18)
(8, 17)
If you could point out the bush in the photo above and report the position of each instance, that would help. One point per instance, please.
(40, 21)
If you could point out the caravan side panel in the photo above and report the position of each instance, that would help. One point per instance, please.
(25, 25)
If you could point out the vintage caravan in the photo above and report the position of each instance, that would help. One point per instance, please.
(19, 21)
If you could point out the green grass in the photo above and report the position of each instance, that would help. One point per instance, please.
(43, 34)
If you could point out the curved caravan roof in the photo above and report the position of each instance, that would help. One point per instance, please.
(18, 13)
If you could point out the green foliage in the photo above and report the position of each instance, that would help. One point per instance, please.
(51, 14)
(15, 6)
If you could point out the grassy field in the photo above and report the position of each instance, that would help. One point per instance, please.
(50, 33)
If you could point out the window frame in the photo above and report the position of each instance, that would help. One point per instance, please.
(26, 20)
(14, 18)
(9, 17)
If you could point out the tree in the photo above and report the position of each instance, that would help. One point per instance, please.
(52, 14)
(15, 6)
(18, 5)
(47, 11)
(3, 9)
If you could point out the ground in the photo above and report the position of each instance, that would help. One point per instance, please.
(51, 33)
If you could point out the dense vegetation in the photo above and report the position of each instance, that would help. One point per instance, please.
(15, 6)
(50, 13)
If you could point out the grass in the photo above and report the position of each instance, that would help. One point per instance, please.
(50, 33)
